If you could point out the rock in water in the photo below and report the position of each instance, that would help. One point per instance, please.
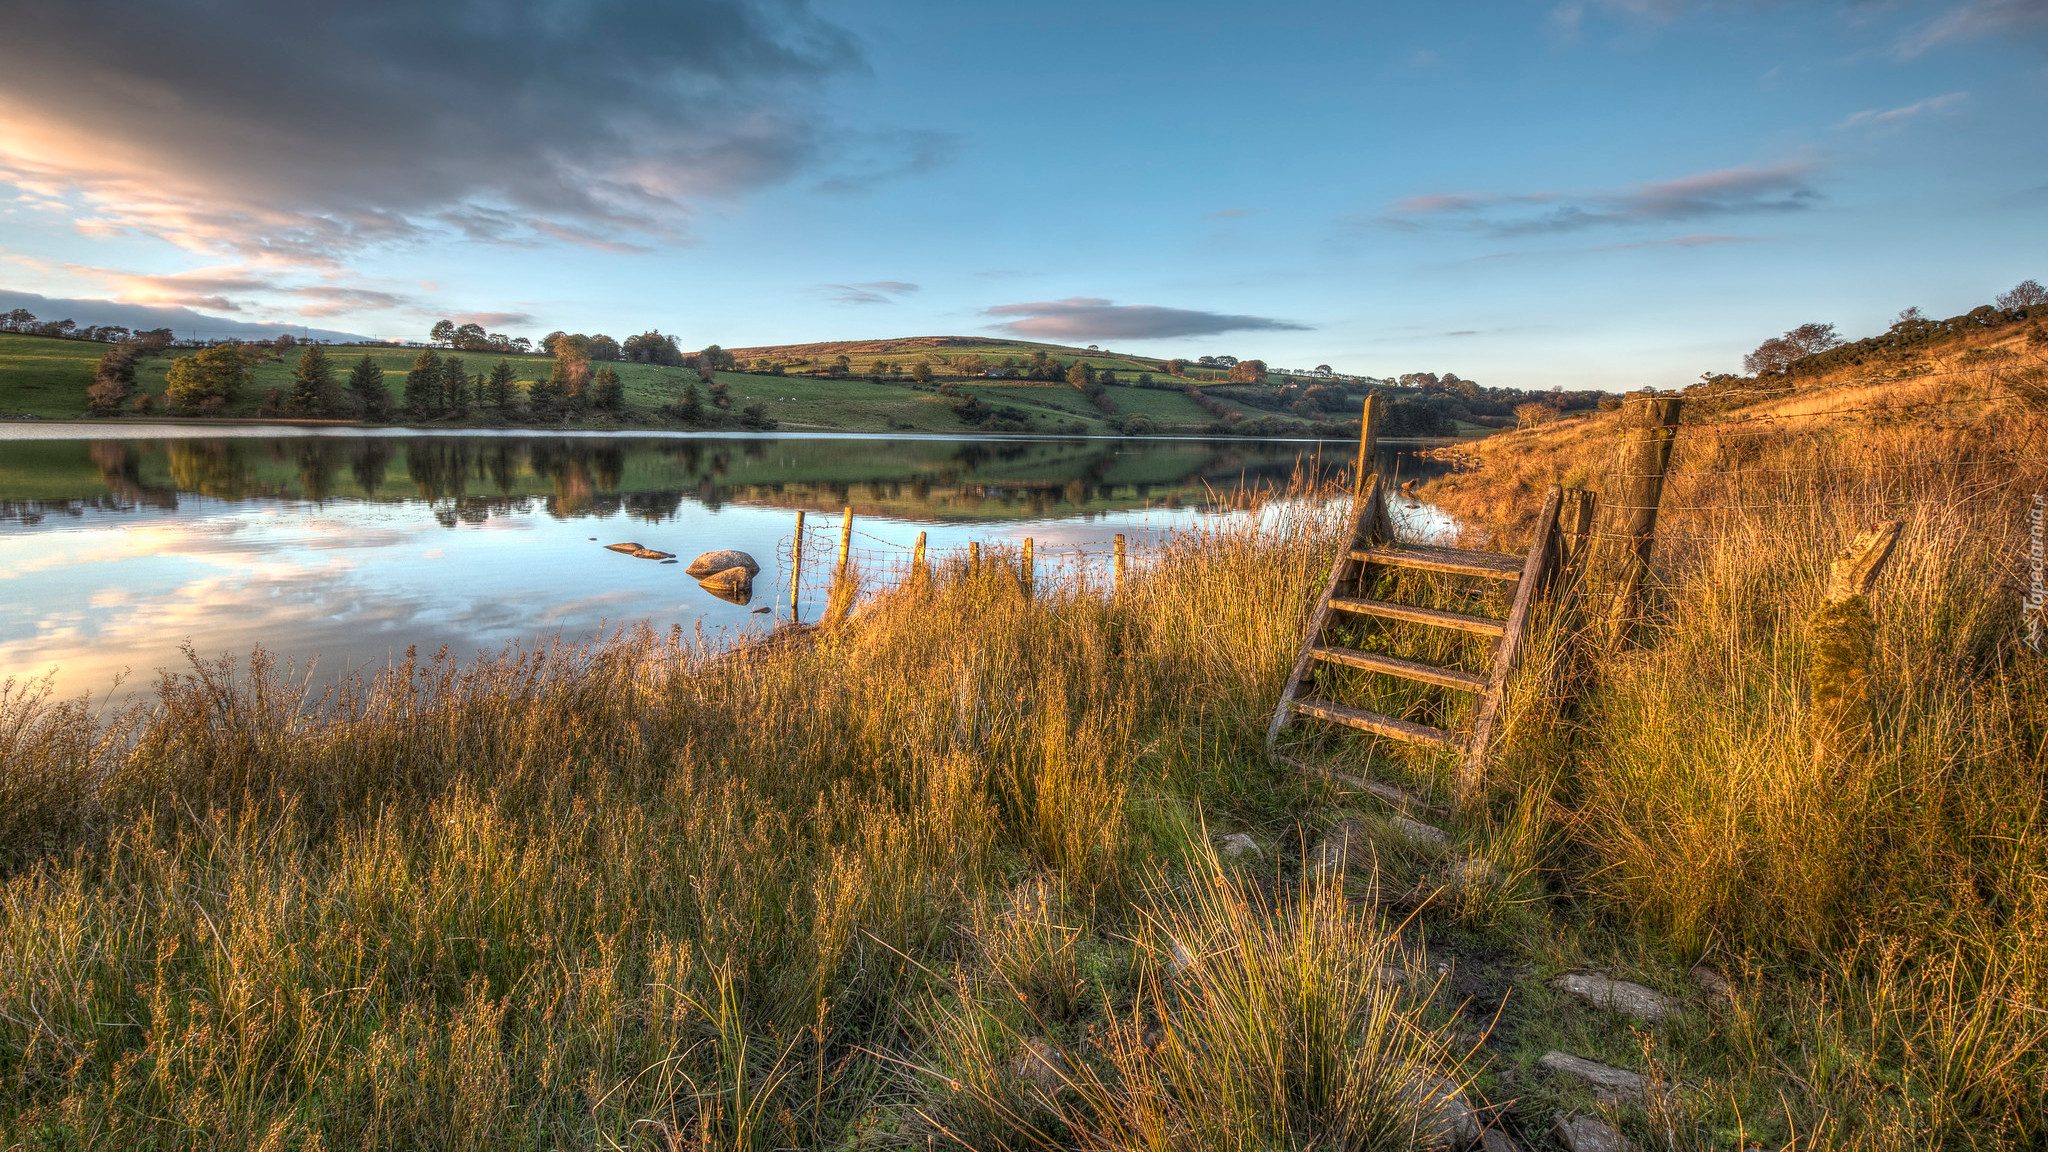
(735, 585)
(716, 563)
(641, 551)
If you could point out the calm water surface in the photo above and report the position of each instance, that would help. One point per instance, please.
(341, 549)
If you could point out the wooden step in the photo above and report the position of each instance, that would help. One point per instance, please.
(1380, 725)
(1458, 561)
(1405, 669)
(1457, 620)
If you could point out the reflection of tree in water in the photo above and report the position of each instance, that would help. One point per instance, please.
(120, 466)
(367, 461)
(215, 468)
(319, 460)
(588, 477)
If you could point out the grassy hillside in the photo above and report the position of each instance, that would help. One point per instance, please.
(46, 378)
(950, 873)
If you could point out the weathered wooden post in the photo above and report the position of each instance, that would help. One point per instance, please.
(1368, 444)
(1575, 531)
(973, 556)
(1117, 566)
(1843, 635)
(1026, 569)
(845, 545)
(1650, 423)
(796, 562)
(917, 567)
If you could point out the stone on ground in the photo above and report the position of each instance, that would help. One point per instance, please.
(1237, 844)
(1585, 1134)
(1445, 1119)
(1416, 832)
(721, 560)
(1495, 1140)
(1610, 1085)
(1345, 845)
(1042, 1066)
(1619, 995)
(1712, 982)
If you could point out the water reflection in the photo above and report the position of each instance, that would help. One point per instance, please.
(115, 552)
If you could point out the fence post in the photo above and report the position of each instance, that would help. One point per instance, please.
(1027, 568)
(1370, 522)
(917, 568)
(1574, 527)
(1368, 443)
(796, 562)
(845, 545)
(973, 556)
(1649, 423)
(1843, 634)
(1117, 569)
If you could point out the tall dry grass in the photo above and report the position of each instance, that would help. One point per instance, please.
(1893, 904)
(634, 894)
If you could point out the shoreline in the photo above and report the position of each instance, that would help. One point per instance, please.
(41, 429)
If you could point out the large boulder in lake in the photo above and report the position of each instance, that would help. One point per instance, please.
(716, 563)
(734, 585)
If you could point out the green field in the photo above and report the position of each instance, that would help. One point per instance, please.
(46, 378)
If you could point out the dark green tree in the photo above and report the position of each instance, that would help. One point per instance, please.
(312, 382)
(606, 393)
(1082, 374)
(498, 390)
(691, 410)
(423, 385)
(455, 386)
(366, 391)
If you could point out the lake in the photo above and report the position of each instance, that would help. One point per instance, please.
(349, 545)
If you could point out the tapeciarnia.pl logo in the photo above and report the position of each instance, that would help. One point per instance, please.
(2037, 560)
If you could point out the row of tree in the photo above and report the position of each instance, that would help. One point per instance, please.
(25, 321)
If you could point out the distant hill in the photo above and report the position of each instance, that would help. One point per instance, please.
(949, 350)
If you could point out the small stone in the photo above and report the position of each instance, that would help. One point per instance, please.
(1444, 1118)
(1182, 959)
(1610, 1085)
(1618, 995)
(1387, 975)
(1336, 852)
(1473, 872)
(1712, 982)
(1042, 1066)
(1585, 1134)
(721, 560)
(1237, 844)
(1495, 1140)
(1416, 832)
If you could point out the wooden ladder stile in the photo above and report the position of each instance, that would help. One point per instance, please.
(1535, 575)
(1372, 544)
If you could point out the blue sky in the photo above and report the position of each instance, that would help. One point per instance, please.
(1581, 193)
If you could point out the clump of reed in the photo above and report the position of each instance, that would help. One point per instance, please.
(1891, 903)
(633, 893)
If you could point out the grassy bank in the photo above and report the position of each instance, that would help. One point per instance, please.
(947, 876)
